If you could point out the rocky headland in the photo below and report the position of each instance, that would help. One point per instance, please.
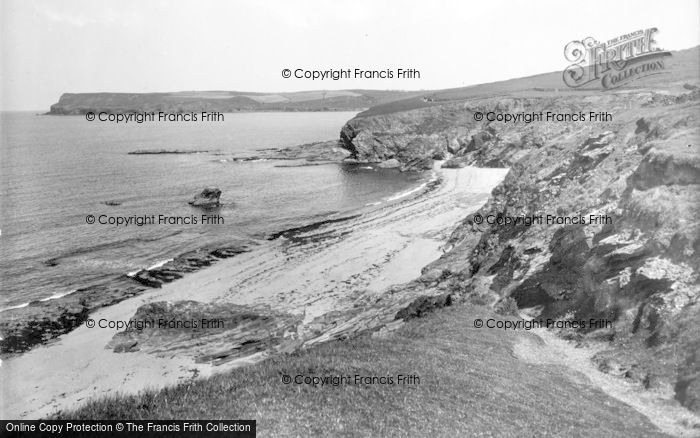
(223, 101)
(168, 152)
(596, 220)
(635, 180)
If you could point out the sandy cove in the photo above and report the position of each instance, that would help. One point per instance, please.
(331, 268)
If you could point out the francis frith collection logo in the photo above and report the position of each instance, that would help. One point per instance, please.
(615, 62)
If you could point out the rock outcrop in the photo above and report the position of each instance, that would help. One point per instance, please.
(412, 135)
(420, 163)
(316, 152)
(41, 321)
(185, 263)
(211, 333)
(609, 212)
(207, 198)
(168, 152)
(391, 163)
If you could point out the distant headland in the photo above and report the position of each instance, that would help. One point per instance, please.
(225, 101)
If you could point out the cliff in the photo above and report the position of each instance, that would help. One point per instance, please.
(222, 101)
(635, 180)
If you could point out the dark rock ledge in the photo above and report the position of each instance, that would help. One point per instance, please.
(42, 321)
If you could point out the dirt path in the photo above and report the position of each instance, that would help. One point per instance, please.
(665, 413)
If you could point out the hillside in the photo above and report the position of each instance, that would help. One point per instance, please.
(623, 189)
(378, 101)
(466, 387)
(223, 101)
(634, 178)
(681, 65)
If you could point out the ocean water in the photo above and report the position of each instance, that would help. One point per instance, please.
(56, 170)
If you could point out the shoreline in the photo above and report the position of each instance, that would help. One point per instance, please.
(41, 321)
(124, 286)
(313, 278)
(37, 322)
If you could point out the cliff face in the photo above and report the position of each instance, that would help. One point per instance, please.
(222, 101)
(634, 180)
(412, 134)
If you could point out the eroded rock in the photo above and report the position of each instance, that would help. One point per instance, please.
(213, 333)
(207, 198)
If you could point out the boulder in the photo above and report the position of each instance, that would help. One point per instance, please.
(454, 163)
(209, 197)
(454, 146)
(439, 155)
(392, 163)
(424, 305)
(480, 139)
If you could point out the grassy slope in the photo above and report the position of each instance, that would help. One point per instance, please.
(682, 64)
(471, 384)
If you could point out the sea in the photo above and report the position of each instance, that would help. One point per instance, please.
(56, 171)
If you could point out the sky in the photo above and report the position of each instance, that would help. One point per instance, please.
(52, 47)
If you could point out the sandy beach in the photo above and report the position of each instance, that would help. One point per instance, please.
(331, 268)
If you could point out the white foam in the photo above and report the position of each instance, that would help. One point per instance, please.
(56, 296)
(433, 178)
(52, 297)
(408, 192)
(159, 264)
(19, 306)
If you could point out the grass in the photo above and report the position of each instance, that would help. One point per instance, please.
(470, 384)
(681, 66)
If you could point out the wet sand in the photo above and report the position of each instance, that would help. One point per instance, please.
(330, 268)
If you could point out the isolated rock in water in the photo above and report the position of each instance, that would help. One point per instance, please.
(209, 197)
(390, 164)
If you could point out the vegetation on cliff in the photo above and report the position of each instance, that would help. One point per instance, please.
(222, 101)
(465, 387)
(633, 261)
(635, 182)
